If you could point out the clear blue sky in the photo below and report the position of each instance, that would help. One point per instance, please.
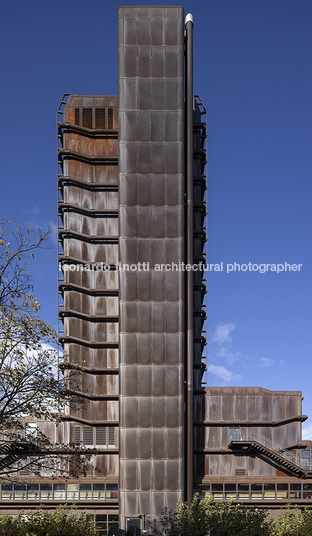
(253, 72)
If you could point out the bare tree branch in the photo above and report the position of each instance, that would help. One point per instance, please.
(29, 384)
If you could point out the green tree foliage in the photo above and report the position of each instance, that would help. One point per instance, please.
(214, 518)
(210, 518)
(293, 522)
(30, 384)
(61, 522)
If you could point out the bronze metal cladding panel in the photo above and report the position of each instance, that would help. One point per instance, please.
(151, 230)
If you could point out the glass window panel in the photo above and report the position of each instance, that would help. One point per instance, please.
(98, 491)
(233, 434)
(295, 491)
(269, 491)
(7, 491)
(86, 491)
(112, 491)
(33, 491)
(305, 454)
(85, 487)
(59, 491)
(282, 491)
(101, 529)
(243, 491)
(256, 491)
(20, 491)
(101, 524)
(204, 491)
(46, 491)
(307, 491)
(230, 491)
(217, 491)
(59, 487)
(72, 491)
(72, 487)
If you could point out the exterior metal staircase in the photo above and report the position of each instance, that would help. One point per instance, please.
(255, 444)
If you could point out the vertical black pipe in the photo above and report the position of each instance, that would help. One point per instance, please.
(189, 256)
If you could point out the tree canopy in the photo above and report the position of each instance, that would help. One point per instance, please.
(210, 518)
(62, 522)
(226, 518)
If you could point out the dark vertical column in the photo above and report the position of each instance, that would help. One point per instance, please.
(189, 256)
(151, 230)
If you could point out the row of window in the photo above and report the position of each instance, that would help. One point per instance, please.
(101, 118)
(259, 491)
(104, 521)
(60, 491)
(102, 436)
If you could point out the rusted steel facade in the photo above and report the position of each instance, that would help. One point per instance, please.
(152, 309)
(157, 319)
(88, 236)
(249, 446)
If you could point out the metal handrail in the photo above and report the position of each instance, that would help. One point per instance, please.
(280, 451)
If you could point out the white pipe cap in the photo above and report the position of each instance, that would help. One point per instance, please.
(189, 18)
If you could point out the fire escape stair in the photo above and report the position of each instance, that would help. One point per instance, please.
(255, 447)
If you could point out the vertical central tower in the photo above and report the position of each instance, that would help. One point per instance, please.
(151, 230)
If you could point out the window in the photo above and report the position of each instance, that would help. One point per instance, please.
(110, 118)
(282, 491)
(101, 436)
(269, 491)
(230, 491)
(217, 491)
(307, 491)
(305, 458)
(73, 491)
(111, 436)
(20, 491)
(87, 117)
(7, 491)
(98, 491)
(295, 491)
(32, 491)
(101, 524)
(87, 435)
(256, 491)
(113, 521)
(204, 491)
(99, 117)
(243, 491)
(31, 432)
(86, 491)
(233, 434)
(59, 491)
(46, 491)
(77, 122)
(112, 491)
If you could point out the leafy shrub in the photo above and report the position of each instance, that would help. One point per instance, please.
(63, 521)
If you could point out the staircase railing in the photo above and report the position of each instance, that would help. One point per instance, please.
(288, 455)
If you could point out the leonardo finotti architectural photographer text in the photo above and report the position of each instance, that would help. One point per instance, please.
(181, 267)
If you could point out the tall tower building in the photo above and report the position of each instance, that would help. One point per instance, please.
(134, 317)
